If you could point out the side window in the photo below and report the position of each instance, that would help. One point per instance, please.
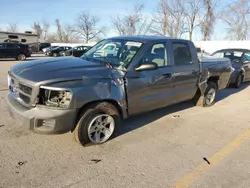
(182, 54)
(156, 54)
(246, 56)
(219, 54)
(2, 46)
(12, 46)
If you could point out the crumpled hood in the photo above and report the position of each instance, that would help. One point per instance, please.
(63, 68)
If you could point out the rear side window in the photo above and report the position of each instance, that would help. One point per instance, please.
(12, 46)
(218, 54)
(246, 56)
(2, 46)
(182, 54)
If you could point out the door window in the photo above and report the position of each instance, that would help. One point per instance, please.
(182, 54)
(156, 54)
(246, 57)
(218, 54)
(2, 46)
(12, 46)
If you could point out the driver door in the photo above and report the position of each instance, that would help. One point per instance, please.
(151, 89)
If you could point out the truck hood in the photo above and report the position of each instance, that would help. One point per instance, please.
(62, 68)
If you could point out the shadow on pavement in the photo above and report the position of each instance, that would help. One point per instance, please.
(141, 120)
(222, 94)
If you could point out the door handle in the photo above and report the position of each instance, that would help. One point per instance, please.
(167, 75)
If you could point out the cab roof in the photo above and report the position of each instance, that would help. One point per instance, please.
(145, 38)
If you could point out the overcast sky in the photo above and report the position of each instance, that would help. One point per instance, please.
(25, 12)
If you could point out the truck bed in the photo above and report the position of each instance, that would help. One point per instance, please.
(216, 67)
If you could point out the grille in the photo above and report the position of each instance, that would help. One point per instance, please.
(25, 89)
(24, 98)
(20, 91)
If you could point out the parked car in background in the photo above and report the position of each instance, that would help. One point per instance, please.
(240, 59)
(46, 50)
(107, 50)
(56, 51)
(77, 51)
(43, 45)
(91, 95)
(15, 50)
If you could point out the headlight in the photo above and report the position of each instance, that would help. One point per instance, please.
(54, 97)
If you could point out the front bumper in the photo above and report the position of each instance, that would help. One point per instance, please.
(41, 119)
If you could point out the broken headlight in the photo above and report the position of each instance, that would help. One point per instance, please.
(53, 97)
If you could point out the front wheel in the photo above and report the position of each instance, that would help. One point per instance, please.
(97, 124)
(208, 99)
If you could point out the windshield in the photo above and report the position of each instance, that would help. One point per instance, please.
(118, 53)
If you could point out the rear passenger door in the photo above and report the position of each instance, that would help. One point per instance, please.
(186, 71)
(12, 50)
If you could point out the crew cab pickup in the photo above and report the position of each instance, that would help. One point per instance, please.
(90, 95)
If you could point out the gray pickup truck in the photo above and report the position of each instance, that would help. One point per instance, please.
(117, 78)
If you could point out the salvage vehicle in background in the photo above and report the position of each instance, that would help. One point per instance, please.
(77, 51)
(89, 96)
(240, 59)
(56, 51)
(46, 50)
(15, 50)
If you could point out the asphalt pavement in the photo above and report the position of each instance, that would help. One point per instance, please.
(178, 146)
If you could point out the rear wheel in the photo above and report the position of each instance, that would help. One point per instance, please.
(208, 99)
(97, 124)
(21, 57)
(238, 81)
(55, 54)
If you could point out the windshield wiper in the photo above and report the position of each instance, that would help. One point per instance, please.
(103, 59)
(106, 61)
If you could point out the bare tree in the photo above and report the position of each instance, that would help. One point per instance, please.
(45, 28)
(193, 18)
(133, 23)
(59, 30)
(68, 32)
(237, 18)
(51, 37)
(169, 19)
(86, 27)
(37, 29)
(12, 27)
(207, 24)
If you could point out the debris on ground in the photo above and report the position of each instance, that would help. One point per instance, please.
(176, 116)
(205, 159)
(21, 163)
(96, 160)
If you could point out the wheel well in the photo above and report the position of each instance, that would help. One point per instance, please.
(87, 105)
(214, 79)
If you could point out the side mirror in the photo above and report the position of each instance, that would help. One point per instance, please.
(147, 66)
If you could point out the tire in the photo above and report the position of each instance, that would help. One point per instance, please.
(21, 57)
(88, 127)
(55, 54)
(209, 96)
(238, 81)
